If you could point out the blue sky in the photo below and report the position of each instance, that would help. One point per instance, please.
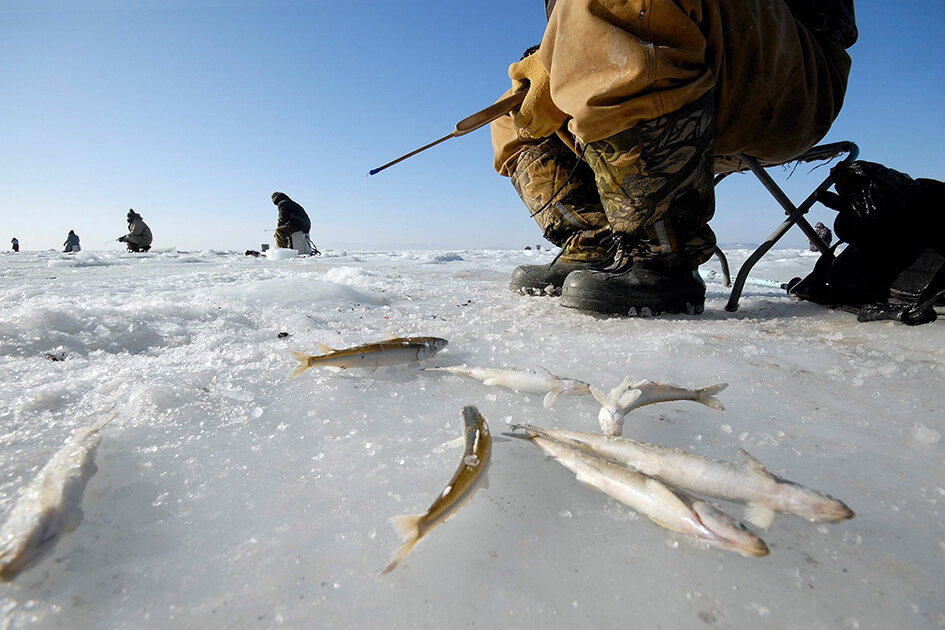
(193, 112)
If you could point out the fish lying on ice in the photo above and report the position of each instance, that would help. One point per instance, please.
(746, 481)
(466, 480)
(540, 382)
(51, 504)
(669, 508)
(392, 351)
(629, 396)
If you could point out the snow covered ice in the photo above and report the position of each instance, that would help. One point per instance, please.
(229, 497)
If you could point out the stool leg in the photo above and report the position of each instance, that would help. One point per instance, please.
(795, 217)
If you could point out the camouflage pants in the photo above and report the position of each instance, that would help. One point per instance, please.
(560, 194)
(656, 184)
(284, 236)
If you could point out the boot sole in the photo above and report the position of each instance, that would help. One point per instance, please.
(548, 291)
(592, 301)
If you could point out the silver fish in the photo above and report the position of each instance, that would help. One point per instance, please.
(669, 508)
(631, 395)
(50, 504)
(466, 480)
(540, 382)
(746, 481)
(392, 351)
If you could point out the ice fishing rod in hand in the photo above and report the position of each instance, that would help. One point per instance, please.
(470, 123)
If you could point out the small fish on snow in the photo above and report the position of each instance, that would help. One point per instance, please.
(466, 480)
(746, 481)
(50, 504)
(630, 395)
(538, 382)
(392, 351)
(667, 507)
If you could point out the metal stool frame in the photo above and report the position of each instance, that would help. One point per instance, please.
(795, 214)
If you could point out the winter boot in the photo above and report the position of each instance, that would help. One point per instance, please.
(655, 182)
(559, 191)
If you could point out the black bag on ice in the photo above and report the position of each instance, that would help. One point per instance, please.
(893, 266)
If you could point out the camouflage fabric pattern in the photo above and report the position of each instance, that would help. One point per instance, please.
(655, 181)
(284, 236)
(574, 219)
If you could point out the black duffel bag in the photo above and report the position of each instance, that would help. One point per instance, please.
(893, 264)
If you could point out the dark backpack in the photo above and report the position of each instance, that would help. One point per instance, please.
(893, 265)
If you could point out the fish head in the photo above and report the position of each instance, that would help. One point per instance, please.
(611, 420)
(431, 345)
(811, 504)
(726, 533)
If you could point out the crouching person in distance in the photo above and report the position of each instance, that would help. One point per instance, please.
(138, 238)
(292, 219)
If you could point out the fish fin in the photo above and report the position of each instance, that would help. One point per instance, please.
(484, 483)
(334, 368)
(751, 466)
(460, 441)
(399, 555)
(407, 527)
(599, 396)
(539, 369)
(550, 399)
(302, 358)
(390, 337)
(323, 349)
(491, 382)
(530, 432)
(759, 515)
(520, 436)
(707, 396)
(628, 398)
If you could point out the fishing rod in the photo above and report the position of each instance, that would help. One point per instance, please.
(470, 123)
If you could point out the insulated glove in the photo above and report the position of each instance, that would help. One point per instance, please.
(538, 116)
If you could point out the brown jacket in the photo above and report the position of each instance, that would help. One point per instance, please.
(777, 85)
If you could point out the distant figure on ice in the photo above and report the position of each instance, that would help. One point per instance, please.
(292, 219)
(138, 238)
(16, 244)
(72, 243)
(824, 233)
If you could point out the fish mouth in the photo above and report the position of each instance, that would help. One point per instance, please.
(727, 533)
(611, 421)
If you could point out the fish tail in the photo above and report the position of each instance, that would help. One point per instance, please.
(529, 431)
(303, 365)
(407, 527)
(707, 396)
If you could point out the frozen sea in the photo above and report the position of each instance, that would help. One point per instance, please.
(230, 497)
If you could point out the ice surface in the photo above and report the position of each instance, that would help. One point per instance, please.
(229, 497)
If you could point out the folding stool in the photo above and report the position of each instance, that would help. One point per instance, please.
(795, 214)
